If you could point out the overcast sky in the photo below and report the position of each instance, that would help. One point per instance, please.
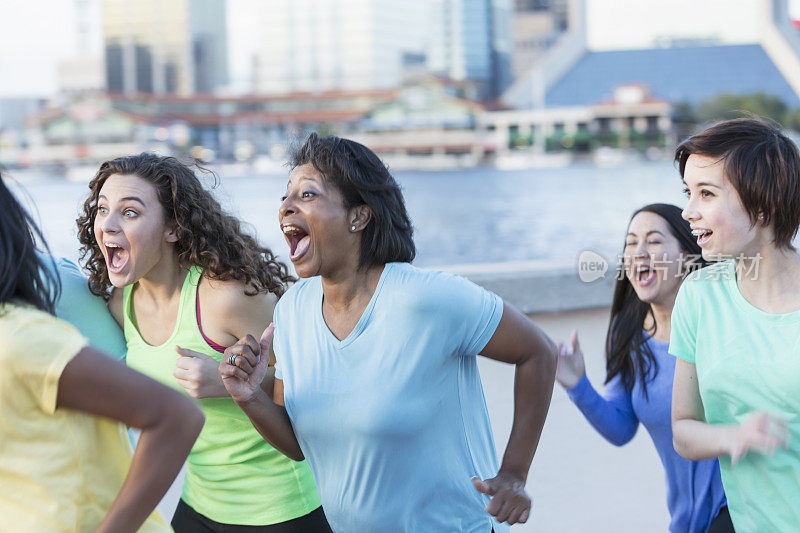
(35, 34)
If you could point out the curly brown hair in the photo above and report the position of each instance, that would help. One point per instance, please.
(207, 236)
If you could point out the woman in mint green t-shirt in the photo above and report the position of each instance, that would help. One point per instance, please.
(185, 282)
(736, 324)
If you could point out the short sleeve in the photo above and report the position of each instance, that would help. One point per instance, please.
(683, 337)
(36, 350)
(87, 312)
(278, 366)
(476, 313)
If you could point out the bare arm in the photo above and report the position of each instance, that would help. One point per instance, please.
(692, 437)
(95, 383)
(244, 382)
(695, 439)
(519, 341)
(227, 314)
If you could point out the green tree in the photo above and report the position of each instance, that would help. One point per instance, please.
(727, 106)
(792, 120)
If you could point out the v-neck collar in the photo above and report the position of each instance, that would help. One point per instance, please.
(362, 321)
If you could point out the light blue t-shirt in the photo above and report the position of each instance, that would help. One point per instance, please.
(392, 419)
(87, 312)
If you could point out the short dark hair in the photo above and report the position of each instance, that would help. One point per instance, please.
(24, 277)
(362, 179)
(762, 164)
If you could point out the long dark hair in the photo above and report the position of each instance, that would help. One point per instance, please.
(627, 353)
(362, 179)
(207, 236)
(23, 276)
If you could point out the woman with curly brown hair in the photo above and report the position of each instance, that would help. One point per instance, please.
(181, 276)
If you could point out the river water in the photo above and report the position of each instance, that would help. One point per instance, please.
(478, 215)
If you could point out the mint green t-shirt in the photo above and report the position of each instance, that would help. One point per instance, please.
(746, 360)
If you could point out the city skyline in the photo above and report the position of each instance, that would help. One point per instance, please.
(29, 63)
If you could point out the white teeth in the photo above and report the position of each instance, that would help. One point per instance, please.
(698, 232)
(291, 229)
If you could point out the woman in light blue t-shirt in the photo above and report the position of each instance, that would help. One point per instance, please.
(377, 383)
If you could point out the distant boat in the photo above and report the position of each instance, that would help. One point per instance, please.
(526, 160)
(81, 173)
(605, 156)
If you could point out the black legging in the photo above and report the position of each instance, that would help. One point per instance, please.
(722, 523)
(187, 520)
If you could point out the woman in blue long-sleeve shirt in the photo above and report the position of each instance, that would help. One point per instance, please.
(659, 251)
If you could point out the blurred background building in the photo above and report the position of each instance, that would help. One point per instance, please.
(165, 46)
(748, 47)
(429, 83)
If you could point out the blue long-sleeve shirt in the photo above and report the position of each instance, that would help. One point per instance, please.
(694, 488)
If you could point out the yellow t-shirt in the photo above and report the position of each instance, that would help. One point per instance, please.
(60, 469)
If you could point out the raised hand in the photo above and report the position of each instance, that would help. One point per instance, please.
(571, 367)
(198, 375)
(510, 503)
(243, 379)
(760, 432)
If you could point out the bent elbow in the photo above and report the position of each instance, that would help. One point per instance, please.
(676, 444)
(680, 448)
(196, 422)
(621, 438)
(620, 441)
(189, 420)
(549, 360)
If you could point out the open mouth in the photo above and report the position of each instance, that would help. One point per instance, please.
(116, 257)
(299, 241)
(645, 276)
(702, 235)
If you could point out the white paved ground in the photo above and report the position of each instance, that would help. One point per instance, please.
(578, 481)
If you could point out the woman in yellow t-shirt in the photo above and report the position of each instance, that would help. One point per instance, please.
(65, 461)
(185, 281)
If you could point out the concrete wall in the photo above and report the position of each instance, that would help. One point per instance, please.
(540, 286)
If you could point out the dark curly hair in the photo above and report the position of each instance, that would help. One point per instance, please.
(207, 236)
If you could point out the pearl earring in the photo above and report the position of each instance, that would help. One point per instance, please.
(352, 228)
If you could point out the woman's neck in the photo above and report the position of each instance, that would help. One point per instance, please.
(351, 288)
(164, 281)
(770, 279)
(659, 319)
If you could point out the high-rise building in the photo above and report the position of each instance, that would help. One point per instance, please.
(165, 46)
(471, 40)
(309, 45)
(537, 26)
(82, 71)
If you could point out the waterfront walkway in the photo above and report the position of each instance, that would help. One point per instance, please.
(579, 482)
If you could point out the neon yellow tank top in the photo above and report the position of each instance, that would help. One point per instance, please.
(233, 475)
